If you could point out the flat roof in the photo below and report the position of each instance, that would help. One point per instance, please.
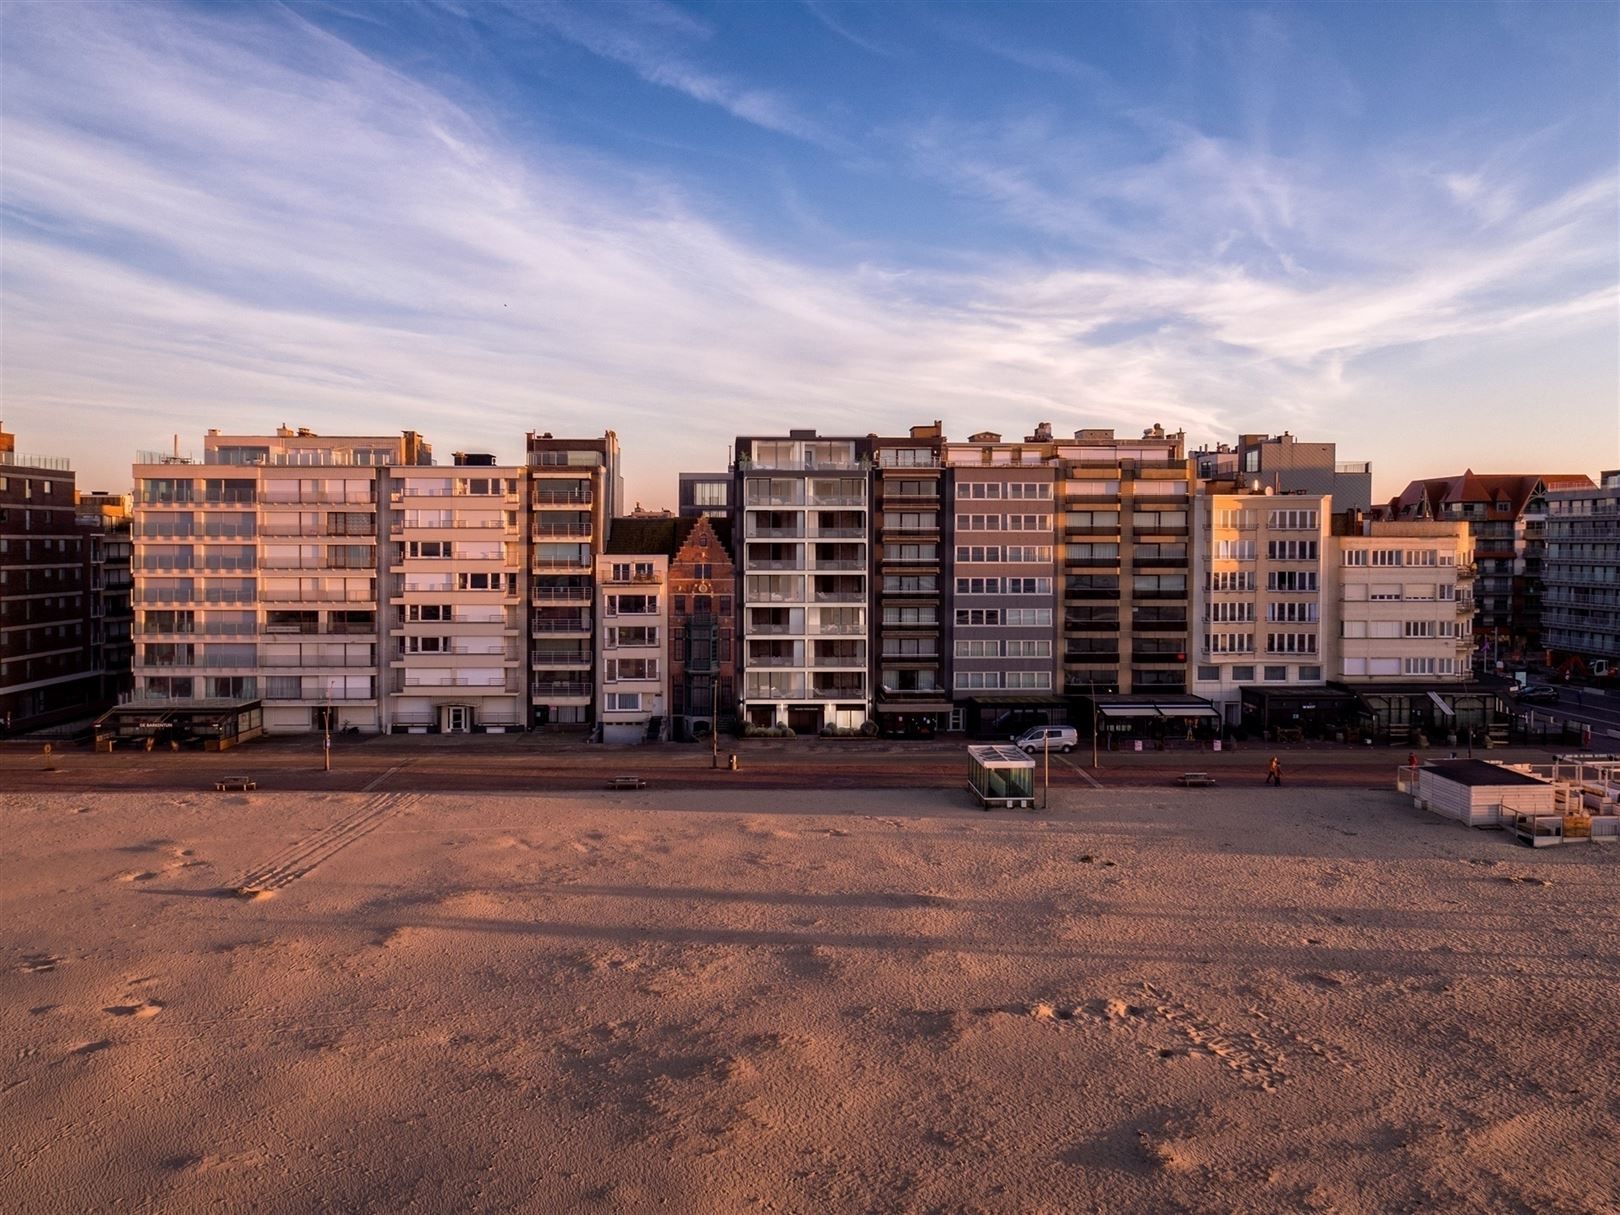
(1477, 772)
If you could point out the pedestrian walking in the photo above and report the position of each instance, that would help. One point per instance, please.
(1274, 772)
(1411, 759)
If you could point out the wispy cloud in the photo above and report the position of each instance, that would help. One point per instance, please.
(209, 223)
(639, 38)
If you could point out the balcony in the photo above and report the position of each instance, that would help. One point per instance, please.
(1092, 657)
(561, 594)
(1169, 563)
(1091, 626)
(775, 533)
(773, 566)
(766, 630)
(550, 688)
(774, 660)
(841, 692)
(840, 597)
(561, 497)
(652, 578)
(856, 565)
(1091, 563)
(1155, 658)
(1154, 529)
(1162, 626)
(540, 624)
(558, 531)
(1109, 530)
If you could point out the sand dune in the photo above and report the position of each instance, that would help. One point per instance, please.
(1140, 1001)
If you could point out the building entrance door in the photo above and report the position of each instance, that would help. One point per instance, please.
(457, 719)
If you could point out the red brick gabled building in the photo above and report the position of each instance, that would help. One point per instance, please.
(702, 625)
(1506, 515)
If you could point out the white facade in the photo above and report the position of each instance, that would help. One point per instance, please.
(632, 689)
(455, 581)
(804, 562)
(1405, 603)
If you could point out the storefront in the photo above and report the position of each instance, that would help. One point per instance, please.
(1298, 714)
(1156, 721)
(214, 725)
(1010, 714)
(1411, 714)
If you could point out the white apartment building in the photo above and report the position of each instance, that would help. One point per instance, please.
(1405, 603)
(1263, 607)
(455, 611)
(804, 562)
(632, 689)
(255, 574)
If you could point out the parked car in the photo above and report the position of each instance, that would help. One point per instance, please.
(1537, 694)
(1058, 738)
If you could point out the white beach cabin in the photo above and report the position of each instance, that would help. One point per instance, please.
(1480, 793)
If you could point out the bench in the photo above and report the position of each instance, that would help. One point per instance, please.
(626, 782)
(1195, 780)
(236, 784)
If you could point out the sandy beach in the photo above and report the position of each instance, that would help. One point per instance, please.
(713, 1001)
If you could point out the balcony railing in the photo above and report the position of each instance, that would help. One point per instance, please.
(840, 596)
(559, 687)
(853, 692)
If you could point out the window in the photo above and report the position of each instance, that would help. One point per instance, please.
(1234, 550)
(978, 649)
(1028, 649)
(978, 679)
(1291, 581)
(622, 702)
(978, 586)
(1293, 520)
(1029, 523)
(1209, 674)
(1230, 643)
(1029, 490)
(978, 616)
(617, 669)
(1029, 617)
(978, 552)
(710, 493)
(1291, 550)
(427, 645)
(1035, 553)
(1232, 580)
(924, 521)
(1291, 611)
(979, 489)
(910, 615)
(1029, 586)
(620, 571)
(978, 523)
(1290, 643)
(1418, 628)
(428, 548)
(1231, 613)
(1276, 674)
(1232, 517)
(1309, 674)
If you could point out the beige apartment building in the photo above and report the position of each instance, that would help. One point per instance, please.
(256, 574)
(349, 580)
(1405, 603)
(632, 685)
(456, 644)
(1261, 593)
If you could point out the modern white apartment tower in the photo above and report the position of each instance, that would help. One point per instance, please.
(457, 637)
(802, 506)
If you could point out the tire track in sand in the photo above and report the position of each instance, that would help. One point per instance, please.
(298, 858)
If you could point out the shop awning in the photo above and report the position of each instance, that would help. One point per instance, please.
(1129, 711)
(920, 706)
(1181, 708)
(1441, 705)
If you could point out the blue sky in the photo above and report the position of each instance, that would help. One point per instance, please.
(1389, 225)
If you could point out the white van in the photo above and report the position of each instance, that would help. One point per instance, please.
(1058, 738)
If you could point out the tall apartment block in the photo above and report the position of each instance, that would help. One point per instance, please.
(350, 581)
(1507, 518)
(456, 587)
(1127, 523)
(1405, 603)
(911, 692)
(1004, 581)
(1580, 614)
(257, 574)
(1261, 587)
(575, 488)
(803, 526)
(105, 520)
(49, 669)
(1286, 465)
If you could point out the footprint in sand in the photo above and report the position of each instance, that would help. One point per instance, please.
(146, 1008)
(138, 875)
(38, 963)
(90, 1048)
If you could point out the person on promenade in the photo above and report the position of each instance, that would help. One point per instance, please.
(1274, 772)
